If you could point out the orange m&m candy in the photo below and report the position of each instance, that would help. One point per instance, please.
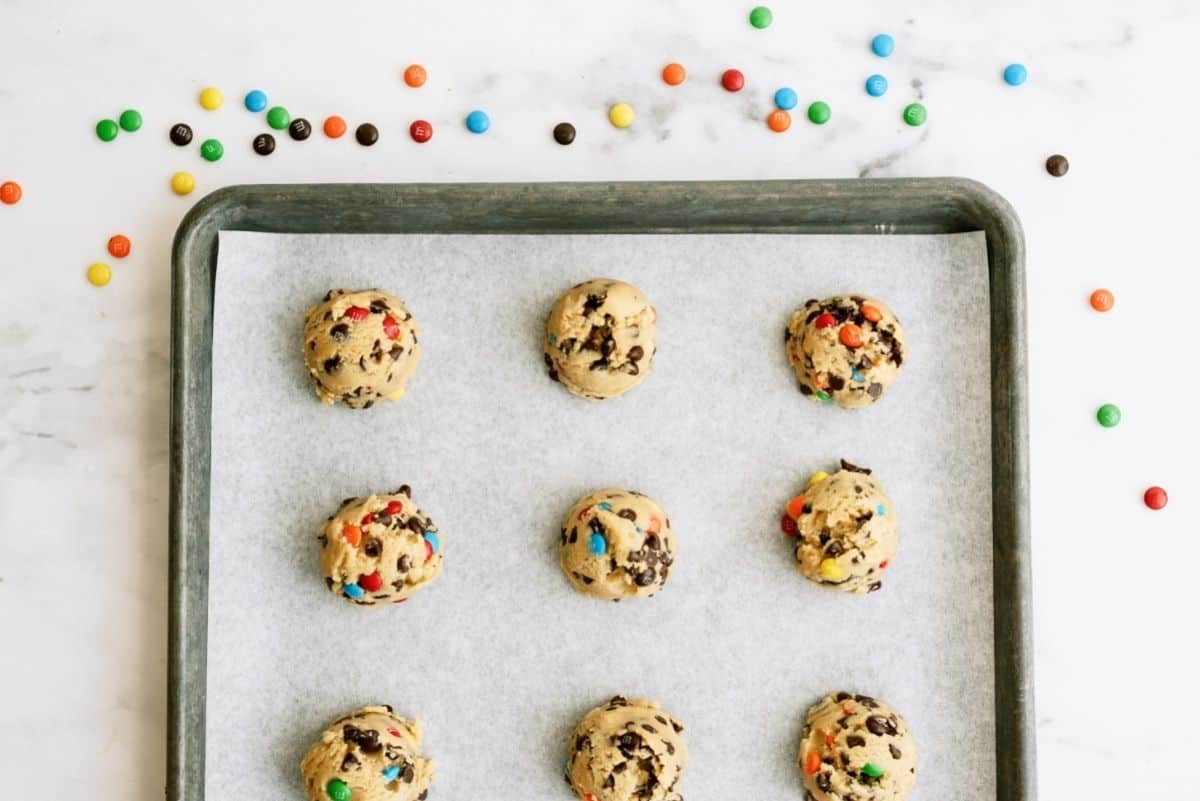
(850, 335)
(872, 313)
(673, 74)
(812, 763)
(415, 75)
(779, 120)
(10, 193)
(119, 246)
(1102, 300)
(795, 506)
(334, 126)
(351, 534)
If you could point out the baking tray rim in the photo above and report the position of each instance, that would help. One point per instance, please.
(805, 206)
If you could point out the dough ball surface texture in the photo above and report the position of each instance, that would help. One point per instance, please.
(854, 746)
(615, 544)
(627, 750)
(380, 549)
(847, 530)
(360, 346)
(371, 754)
(600, 339)
(846, 349)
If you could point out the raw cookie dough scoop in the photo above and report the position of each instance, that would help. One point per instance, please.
(371, 754)
(626, 750)
(854, 746)
(846, 529)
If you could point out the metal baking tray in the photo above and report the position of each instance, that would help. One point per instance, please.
(885, 206)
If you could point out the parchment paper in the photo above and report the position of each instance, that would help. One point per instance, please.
(501, 657)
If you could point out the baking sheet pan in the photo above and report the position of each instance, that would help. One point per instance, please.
(500, 657)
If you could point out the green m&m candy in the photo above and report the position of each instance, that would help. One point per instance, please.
(107, 130)
(212, 150)
(130, 120)
(1108, 415)
(761, 17)
(819, 113)
(872, 770)
(279, 118)
(914, 114)
(338, 790)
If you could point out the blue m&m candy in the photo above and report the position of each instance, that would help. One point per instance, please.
(606, 506)
(883, 45)
(785, 98)
(879, 510)
(391, 773)
(432, 538)
(1015, 74)
(256, 100)
(876, 85)
(353, 591)
(597, 545)
(478, 122)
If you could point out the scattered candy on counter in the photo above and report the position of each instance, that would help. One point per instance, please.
(278, 118)
(182, 183)
(1102, 300)
(1155, 498)
(263, 144)
(478, 122)
(818, 112)
(420, 131)
(119, 246)
(181, 134)
(914, 114)
(255, 100)
(779, 120)
(883, 45)
(785, 98)
(1015, 74)
(564, 133)
(211, 98)
(1108, 415)
(1057, 165)
(366, 134)
(334, 126)
(10, 193)
(733, 80)
(130, 120)
(99, 273)
(876, 86)
(299, 129)
(674, 74)
(621, 115)
(107, 130)
(761, 17)
(211, 150)
(415, 75)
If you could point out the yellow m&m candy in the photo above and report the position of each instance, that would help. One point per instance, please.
(621, 115)
(817, 478)
(211, 98)
(99, 274)
(182, 183)
(830, 569)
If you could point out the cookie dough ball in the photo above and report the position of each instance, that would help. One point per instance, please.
(626, 751)
(371, 754)
(617, 544)
(379, 549)
(600, 339)
(846, 349)
(360, 346)
(856, 747)
(845, 528)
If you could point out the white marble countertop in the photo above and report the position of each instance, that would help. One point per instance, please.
(84, 374)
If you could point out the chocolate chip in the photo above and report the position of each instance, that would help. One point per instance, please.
(404, 564)
(608, 346)
(879, 725)
(379, 306)
(867, 701)
(836, 382)
(424, 794)
(574, 536)
(842, 697)
(649, 728)
(823, 782)
(787, 335)
(835, 549)
(875, 390)
(875, 586)
(610, 782)
(855, 741)
(368, 741)
(414, 525)
(636, 353)
(372, 547)
(407, 774)
(854, 468)
(1057, 165)
(350, 733)
(805, 389)
(629, 741)
(594, 302)
(599, 364)
(329, 582)
(670, 747)
(582, 742)
(339, 332)
(620, 767)
(332, 365)
(675, 725)
(645, 578)
(895, 751)
(628, 514)
(349, 761)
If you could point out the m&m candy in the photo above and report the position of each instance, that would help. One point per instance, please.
(107, 130)
(263, 144)
(876, 85)
(181, 134)
(850, 335)
(597, 544)
(391, 772)
(353, 591)
(211, 98)
(674, 74)
(914, 114)
(478, 122)
(182, 183)
(733, 80)
(1108, 415)
(779, 120)
(1057, 165)
(1015, 74)
(255, 100)
(299, 129)
(621, 115)
(119, 246)
(761, 17)
(99, 273)
(1102, 300)
(420, 131)
(819, 112)
(1155, 498)
(415, 75)
(334, 126)
(211, 150)
(883, 45)
(366, 134)
(279, 118)
(564, 133)
(10, 193)
(785, 98)
(371, 582)
(431, 539)
(337, 790)
(130, 120)
(873, 770)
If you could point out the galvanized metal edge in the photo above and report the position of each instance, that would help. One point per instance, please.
(901, 206)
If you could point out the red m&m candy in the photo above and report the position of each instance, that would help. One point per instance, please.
(1155, 498)
(357, 313)
(371, 583)
(733, 80)
(391, 327)
(420, 131)
(394, 507)
(119, 246)
(788, 525)
(824, 321)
